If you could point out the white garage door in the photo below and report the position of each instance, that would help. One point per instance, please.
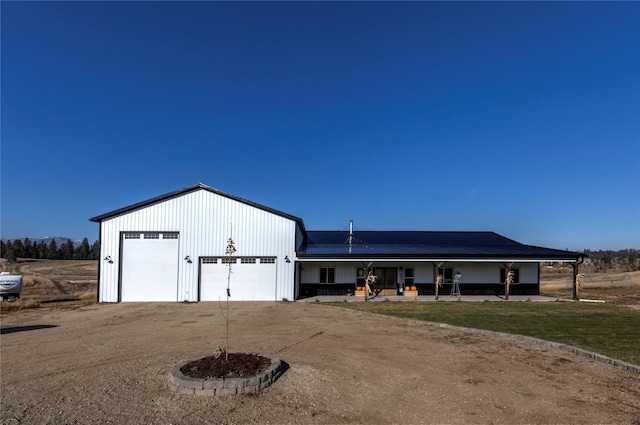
(252, 279)
(149, 267)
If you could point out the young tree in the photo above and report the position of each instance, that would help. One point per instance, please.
(229, 251)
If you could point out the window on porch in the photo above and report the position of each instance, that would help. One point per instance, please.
(447, 274)
(408, 277)
(360, 276)
(327, 275)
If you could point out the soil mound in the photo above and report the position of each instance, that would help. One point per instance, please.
(239, 365)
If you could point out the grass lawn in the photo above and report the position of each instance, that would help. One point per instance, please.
(605, 329)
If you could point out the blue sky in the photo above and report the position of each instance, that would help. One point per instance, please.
(518, 118)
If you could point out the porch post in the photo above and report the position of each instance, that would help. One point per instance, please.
(507, 279)
(367, 277)
(575, 267)
(436, 283)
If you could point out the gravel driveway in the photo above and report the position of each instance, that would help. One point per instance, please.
(108, 364)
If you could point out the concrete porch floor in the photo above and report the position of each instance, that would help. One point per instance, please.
(431, 298)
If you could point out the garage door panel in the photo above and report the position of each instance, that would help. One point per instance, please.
(249, 281)
(149, 269)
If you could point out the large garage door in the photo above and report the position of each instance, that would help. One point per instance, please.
(149, 267)
(252, 279)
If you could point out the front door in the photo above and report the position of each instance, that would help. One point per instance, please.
(386, 279)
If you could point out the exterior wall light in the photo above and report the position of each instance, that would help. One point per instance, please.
(188, 259)
(286, 258)
(108, 258)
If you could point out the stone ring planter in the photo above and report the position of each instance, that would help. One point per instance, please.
(183, 384)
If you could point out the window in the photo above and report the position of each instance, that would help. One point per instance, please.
(360, 276)
(169, 236)
(447, 274)
(209, 261)
(327, 275)
(132, 235)
(227, 260)
(503, 275)
(267, 261)
(152, 235)
(247, 261)
(408, 276)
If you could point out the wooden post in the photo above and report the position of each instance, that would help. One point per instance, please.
(576, 279)
(575, 267)
(436, 283)
(367, 275)
(508, 279)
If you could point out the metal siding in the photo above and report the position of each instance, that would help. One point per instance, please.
(481, 273)
(423, 272)
(528, 272)
(203, 220)
(489, 273)
(476, 272)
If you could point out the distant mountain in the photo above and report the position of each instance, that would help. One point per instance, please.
(47, 240)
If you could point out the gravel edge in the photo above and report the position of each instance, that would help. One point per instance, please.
(570, 348)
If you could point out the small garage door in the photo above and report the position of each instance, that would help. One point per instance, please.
(149, 267)
(252, 279)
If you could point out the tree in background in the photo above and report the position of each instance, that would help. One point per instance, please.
(52, 251)
(18, 249)
(14, 250)
(8, 252)
(94, 253)
(83, 250)
(28, 248)
(42, 251)
(67, 250)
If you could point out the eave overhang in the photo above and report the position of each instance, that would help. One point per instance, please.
(421, 258)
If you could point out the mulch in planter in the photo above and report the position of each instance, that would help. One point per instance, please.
(240, 365)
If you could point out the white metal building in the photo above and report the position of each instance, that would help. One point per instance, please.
(172, 248)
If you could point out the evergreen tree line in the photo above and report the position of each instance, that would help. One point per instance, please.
(51, 251)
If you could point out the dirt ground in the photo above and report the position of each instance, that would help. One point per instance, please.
(73, 362)
(108, 364)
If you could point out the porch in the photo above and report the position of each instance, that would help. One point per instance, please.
(423, 298)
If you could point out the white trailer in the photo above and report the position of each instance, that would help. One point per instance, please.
(10, 286)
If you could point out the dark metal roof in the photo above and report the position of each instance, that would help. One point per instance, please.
(389, 244)
(181, 192)
(423, 244)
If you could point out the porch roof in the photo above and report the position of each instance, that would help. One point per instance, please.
(424, 244)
